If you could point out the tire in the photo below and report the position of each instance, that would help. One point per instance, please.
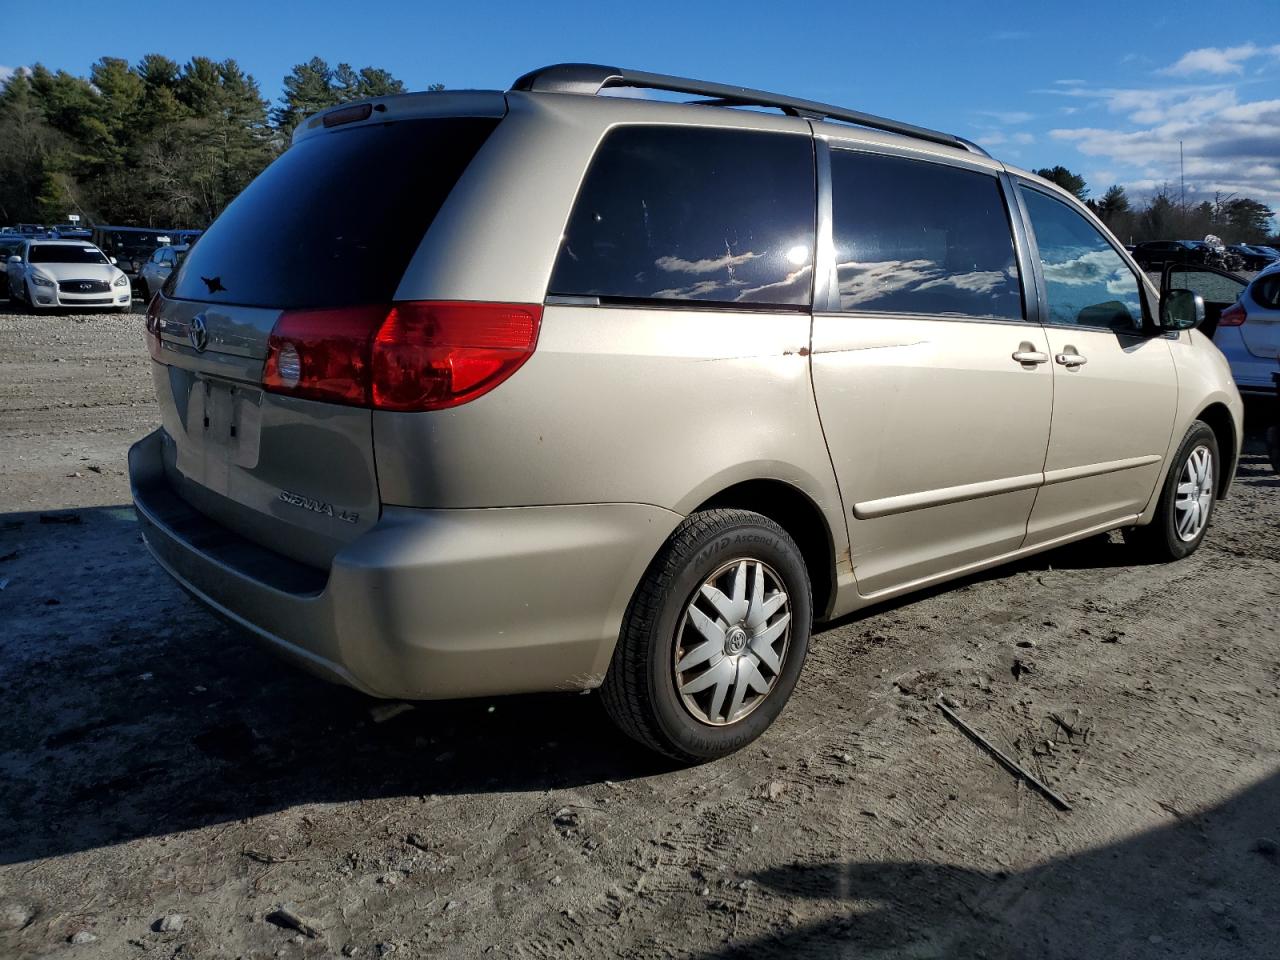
(142, 291)
(1273, 446)
(1160, 540)
(641, 692)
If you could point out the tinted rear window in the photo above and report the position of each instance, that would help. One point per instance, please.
(919, 237)
(693, 214)
(335, 220)
(1267, 291)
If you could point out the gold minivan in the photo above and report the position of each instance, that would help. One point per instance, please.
(474, 393)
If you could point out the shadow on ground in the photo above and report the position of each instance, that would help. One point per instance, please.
(131, 712)
(1202, 887)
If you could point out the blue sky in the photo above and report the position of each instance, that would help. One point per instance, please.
(1106, 89)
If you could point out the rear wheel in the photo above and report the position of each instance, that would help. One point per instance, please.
(1186, 501)
(714, 639)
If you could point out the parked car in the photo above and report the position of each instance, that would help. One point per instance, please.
(131, 246)
(1266, 250)
(70, 231)
(10, 244)
(1219, 255)
(1273, 431)
(709, 391)
(66, 273)
(158, 269)
(1247, 325)
(1249, 259)
(32, 231)
(1156, 254)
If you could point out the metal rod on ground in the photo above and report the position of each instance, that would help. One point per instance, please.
(1005, 761)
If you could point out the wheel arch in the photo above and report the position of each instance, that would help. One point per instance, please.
(802, 518)
(1223, 425)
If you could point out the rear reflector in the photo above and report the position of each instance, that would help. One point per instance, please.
(153, 326)
(1234, 316)
(417, 355)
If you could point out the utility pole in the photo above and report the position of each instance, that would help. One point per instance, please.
(1182, 177)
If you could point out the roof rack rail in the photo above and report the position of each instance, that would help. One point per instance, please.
(591, 78)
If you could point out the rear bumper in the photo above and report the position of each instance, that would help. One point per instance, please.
(428, 604)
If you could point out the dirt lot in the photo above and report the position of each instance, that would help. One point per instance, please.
(154, 764)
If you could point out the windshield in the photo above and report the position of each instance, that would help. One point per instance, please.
(132, 244)
(62, 253)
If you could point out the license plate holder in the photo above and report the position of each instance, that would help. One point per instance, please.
(224, 429)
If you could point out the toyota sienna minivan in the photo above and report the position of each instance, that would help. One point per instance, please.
(475, 393)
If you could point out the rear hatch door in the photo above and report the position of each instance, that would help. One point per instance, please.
(332, 223)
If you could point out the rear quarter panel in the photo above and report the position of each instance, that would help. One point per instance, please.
(665, 407)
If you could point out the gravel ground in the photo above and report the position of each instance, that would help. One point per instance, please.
(166, 787)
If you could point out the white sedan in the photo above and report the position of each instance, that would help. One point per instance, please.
(66, 273)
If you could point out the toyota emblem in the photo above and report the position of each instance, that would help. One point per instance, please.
(198, 333)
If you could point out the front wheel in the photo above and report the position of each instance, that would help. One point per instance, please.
(714, 639)
(1186, 500)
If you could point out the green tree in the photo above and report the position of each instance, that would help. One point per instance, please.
(27, 146)
(308, 89)
(1071, 182)
(1113, 205)
(1247, 221)
(314, 86)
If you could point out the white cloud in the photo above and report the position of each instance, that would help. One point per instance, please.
(6, 73)
(1216, 60)
(1008, 117)
(727, 262)
(1227, 147)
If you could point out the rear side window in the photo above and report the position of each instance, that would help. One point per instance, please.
(335, 220)
(1267, 291)
(919, 237)
(693, 214)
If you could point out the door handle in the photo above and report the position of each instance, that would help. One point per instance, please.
(1030, 356)
(1071, 359)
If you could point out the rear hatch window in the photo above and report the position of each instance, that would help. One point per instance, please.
(332, 223)
(335, 220)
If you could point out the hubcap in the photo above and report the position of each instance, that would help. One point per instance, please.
(1195, 494)
(732, 642)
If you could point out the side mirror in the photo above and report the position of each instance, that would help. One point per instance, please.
(1181, 310)
(113, 260)
(15, 259)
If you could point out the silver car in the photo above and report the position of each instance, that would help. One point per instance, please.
(476, 393)
(162, 262)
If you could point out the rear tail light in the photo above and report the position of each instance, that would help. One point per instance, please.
(1233, 316)
(417, 355)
